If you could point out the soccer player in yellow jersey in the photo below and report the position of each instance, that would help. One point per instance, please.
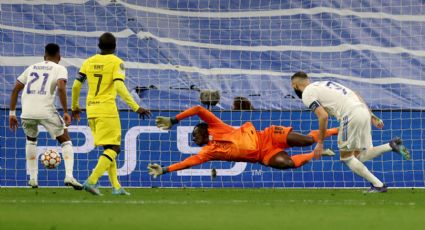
(105, 76)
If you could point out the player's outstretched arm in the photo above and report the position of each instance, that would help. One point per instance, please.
(13, 120)
(167, 122)
(76, 89)
(322, 116)
(126, 96)
(156, 170)
(63, 100)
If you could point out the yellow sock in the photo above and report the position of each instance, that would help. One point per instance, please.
(103, 164)
(113, 176)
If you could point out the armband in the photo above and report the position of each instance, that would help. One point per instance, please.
(314, 105)
(81, 77)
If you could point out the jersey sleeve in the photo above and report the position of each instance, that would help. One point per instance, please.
(62, 74)
(311, 99)
(203, 156)
(125, 95)
(203, 113)
(24, 76)
(119, 71)
(82, 74)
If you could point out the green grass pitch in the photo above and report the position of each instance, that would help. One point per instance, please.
(313, 209)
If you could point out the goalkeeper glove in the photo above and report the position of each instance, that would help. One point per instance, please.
(156, 170)
(165, 122)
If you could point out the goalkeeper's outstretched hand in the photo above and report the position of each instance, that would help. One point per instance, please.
(143, 112)
(155, 170)
(163, 122)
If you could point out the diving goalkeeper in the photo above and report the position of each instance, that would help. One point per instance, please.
(221, 141)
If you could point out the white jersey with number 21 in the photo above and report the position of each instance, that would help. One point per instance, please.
(335, 98)
(39, 93)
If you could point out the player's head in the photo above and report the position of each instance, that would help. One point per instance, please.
(200, 134)
(299, 81)
(52, 53)
(107, 43)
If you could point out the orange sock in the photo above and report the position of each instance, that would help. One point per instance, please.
(301, 159)
(328, 133)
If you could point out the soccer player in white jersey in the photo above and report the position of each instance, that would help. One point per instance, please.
(326, 98)
(39, 83)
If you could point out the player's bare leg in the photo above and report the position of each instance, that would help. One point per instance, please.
(295, 139)
(32, 164)
(68, 156)
(281, 161)
(328, 133)
(348, 157)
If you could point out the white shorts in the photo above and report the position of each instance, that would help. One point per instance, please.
(54, 125)
(355, 131)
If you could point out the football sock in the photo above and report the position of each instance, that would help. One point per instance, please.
(328, 133)
(113, 176)
(360, 169)
(301, 159)
(31, 156)
(374, 152)
(68, 157)
(103, 164)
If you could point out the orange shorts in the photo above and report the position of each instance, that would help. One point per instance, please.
(272, 141)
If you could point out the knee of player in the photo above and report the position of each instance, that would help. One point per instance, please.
(285, 163)
(31, 139)
(309, 140)
(346, 155)
(116, 148)
(63, 138)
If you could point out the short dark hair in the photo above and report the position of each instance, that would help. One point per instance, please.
(51, 49)
(201, 126)
(299, 74)
(107, 42)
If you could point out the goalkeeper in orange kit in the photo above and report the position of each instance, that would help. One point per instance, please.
(221, 141)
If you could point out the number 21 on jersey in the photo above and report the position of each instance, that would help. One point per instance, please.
(42, 90)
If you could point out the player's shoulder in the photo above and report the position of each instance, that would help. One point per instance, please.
(58, 66)
(91, 59)
(310, 87)
(116, 60)
(46, 65)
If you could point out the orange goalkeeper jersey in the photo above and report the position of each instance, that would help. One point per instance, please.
(226, 142)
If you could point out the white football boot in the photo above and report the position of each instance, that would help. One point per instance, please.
(71, 181)
(33, 183)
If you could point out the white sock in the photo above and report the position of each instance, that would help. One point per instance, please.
(31, 156)
(68, 157)
(360, 169)
(374, 152)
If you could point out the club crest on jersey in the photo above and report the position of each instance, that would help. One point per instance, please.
(122, 69)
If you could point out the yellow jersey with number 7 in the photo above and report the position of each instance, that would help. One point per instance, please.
(100, 72)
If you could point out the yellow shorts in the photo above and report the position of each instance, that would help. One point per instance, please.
(106, 130)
